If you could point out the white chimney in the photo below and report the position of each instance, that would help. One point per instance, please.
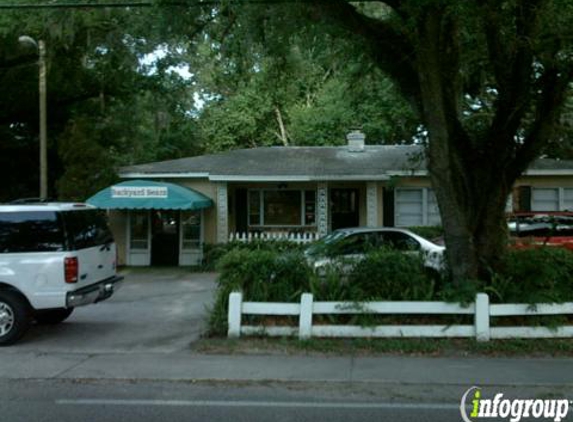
(355, 141)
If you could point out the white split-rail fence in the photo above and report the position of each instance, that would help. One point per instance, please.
(305, 237)
(481, 310)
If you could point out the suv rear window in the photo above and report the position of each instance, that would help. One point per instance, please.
(86, 229)
(30, 231)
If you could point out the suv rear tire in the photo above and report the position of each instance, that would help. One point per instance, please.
(15, 317)
(53, 316)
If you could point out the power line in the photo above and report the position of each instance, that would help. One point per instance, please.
(122, 4)
(125, 4)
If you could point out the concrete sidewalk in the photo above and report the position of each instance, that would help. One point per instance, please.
(201, 367)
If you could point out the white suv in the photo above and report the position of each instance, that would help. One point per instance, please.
(53, 257)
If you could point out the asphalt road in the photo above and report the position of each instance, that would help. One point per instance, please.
(51, 400)
(156, 311)
(147, 401)
(128, 359)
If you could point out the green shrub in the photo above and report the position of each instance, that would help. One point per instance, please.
(464, 293)
(332, 284)
(262, 276)
(542, 275)
(278, 272)
(214, 252)
(391, 275)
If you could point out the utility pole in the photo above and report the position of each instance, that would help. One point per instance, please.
(43, 121)
(42, 86)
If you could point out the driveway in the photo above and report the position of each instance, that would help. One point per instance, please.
(156, 311)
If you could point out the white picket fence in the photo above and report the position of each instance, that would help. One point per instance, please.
(481, 309)
(305, 237)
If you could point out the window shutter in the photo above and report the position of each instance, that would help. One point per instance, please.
(388, 207)
(241, 217)
(524, 199)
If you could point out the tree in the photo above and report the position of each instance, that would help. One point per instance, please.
(488, 79)
(105, 107)
(263, 87)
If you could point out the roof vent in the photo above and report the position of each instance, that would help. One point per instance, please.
(355, 141)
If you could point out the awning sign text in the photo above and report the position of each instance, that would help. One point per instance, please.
(138, 192)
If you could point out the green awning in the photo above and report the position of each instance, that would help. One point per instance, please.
(146, 194)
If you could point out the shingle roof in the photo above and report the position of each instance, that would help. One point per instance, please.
(313, 163)
(552, 164)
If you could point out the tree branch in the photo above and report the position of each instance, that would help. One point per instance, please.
(283, 133)
(555, 86)
(512, 61)
(497, 49)
(387, 45)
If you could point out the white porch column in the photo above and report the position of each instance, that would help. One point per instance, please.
(222, 213)
(372, 204)
(322, 208)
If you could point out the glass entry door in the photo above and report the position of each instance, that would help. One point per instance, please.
(165, 237)
(139, 240)
(191, 249)
(344, 208)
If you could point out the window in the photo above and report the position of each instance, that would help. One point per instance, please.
(409, 207)
(139, 230)
(86, 229)
(31, 231)
(191, 226)
(567, 200)
(416, 207)
(255, 208)
(398, 241)
(309, 207)
(545, 199)
(282, 208)
(541, 225)
(552, 199)
(358, 243)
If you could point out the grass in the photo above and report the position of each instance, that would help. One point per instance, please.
(377, 347)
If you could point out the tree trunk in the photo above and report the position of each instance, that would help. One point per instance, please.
(472, 166)
(491, 234)
(472, 202)
(283, 134)
(470, 179)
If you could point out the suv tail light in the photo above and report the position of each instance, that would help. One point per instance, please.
(71, 269)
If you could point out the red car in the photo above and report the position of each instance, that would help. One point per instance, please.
(536, 229)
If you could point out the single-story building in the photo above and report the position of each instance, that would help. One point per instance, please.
(164, 212)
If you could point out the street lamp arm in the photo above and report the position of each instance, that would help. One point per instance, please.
(26, 39)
